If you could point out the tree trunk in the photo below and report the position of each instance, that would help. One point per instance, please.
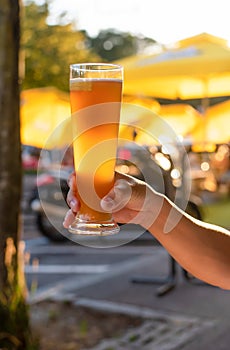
(14, 325)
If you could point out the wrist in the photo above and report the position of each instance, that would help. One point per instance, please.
(162, 213)
(153, 210)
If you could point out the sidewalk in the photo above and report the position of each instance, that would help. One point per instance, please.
(189, 317)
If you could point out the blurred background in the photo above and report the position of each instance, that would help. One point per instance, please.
(174, 134)
(176, 67)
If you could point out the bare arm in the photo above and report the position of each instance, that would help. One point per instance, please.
(202, 249)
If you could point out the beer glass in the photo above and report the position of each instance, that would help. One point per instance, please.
(95, 98)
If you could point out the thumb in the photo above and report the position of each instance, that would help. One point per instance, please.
(118, 197)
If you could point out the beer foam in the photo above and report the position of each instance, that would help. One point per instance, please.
(85, 84)
(80, 84)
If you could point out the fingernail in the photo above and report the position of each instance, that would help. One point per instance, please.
(73, 204)
(107, 203)
(65, 224)
(66, 220)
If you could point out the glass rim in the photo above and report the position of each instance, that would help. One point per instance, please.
(83, 66)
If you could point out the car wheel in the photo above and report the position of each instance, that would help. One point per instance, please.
(48, 230)
(193, 210)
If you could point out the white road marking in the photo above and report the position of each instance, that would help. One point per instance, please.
(75, 284)
(66, 269)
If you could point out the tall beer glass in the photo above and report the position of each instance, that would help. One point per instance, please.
(95, 98)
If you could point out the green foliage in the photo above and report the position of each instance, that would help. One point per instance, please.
(112, 45)
(48, 50)
(84, 327)
(15, 332)
(53, 315)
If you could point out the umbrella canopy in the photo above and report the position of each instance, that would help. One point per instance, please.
(133, 108)
(196, 67)
(142, 101)
(43, 111)
(148, 127)
(183, 118)
(215, 129)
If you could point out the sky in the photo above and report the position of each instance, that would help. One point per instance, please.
(166, 21)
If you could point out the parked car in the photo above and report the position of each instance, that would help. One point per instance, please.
(30, 157)
(48, 202)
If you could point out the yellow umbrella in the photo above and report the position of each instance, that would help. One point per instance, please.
(142, 101)
(183, 118)
(147, 126)
(133, 109)
(216, 129)
(43, 111)
(197, 67)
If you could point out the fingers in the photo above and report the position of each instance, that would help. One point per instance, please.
(69, 218)
(72, 200)
(118, 197)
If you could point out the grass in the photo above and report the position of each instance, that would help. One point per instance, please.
(217, 213)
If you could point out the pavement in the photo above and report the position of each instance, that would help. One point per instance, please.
(185, 314)
(190, 316)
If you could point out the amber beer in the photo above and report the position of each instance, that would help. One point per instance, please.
(95, 105)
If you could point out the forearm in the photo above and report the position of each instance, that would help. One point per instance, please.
(202, 249)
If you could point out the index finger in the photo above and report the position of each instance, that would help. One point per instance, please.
(72, 199)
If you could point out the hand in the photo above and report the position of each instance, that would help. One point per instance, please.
(130, 201)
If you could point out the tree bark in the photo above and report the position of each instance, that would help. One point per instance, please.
(14, 317)
(10, 149)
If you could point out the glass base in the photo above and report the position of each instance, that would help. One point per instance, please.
(94, 228)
